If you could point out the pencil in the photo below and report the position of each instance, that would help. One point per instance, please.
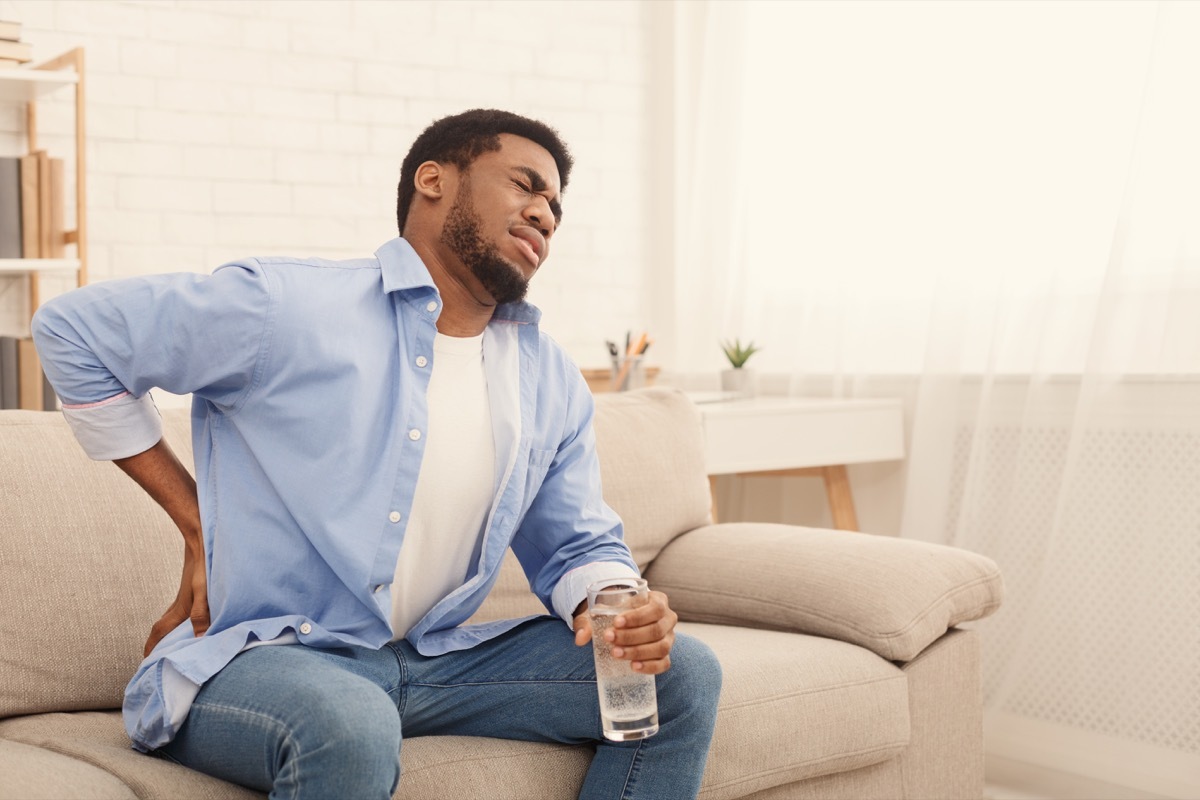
(630, 351)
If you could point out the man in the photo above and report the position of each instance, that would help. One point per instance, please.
(370, 437)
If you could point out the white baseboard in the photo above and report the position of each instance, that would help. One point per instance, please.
(1146, 769)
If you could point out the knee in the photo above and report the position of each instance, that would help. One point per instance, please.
(357, 737)
(694, 679)
(367, 725)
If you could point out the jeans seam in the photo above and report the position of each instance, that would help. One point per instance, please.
(402, 687)
(631, 776)
(287, 739)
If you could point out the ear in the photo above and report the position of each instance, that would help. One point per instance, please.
(431, 181)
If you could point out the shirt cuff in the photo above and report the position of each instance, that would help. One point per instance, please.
(119, 427)
(572, 587)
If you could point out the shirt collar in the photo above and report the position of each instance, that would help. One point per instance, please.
(403, 269)
(518, 312)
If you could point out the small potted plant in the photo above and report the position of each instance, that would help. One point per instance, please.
(739, 379)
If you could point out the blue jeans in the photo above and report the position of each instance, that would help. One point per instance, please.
(299, 722)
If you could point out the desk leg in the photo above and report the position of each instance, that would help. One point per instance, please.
(837, 490)
(841, 502)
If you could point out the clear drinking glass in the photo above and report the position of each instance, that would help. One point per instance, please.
(628, 702)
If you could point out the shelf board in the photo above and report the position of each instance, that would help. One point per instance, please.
(40, 266)
(23, 85)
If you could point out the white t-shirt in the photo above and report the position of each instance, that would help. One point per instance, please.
(455, 487)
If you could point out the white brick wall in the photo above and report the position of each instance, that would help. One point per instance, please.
(224, 128)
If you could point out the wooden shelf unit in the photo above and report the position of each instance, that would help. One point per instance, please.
(24, 87)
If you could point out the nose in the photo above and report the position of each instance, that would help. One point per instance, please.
(538, 214)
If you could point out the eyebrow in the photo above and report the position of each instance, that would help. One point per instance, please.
(538, 184)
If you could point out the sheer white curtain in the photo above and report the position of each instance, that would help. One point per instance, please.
(992, 209)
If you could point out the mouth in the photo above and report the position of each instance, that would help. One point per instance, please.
(530, 242)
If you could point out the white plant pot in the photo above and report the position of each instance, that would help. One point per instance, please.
(738, 380)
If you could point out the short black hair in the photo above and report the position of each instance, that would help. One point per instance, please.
(461, 138)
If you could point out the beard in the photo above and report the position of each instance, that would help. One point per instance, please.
(461, 234)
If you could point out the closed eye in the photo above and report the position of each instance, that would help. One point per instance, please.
(536, 183)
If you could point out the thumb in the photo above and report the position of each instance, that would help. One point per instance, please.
(583, 629)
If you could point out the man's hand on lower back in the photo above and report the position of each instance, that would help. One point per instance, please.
(160, 474)
(191, 602)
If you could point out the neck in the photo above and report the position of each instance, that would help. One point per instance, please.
(466, 310)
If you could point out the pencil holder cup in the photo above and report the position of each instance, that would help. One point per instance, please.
(628, 373)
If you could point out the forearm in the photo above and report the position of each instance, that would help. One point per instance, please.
(160, 474)
(165, 479)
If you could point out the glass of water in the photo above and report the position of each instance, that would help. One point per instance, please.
(628, 702)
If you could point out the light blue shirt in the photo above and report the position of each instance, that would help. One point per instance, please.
(308, 418)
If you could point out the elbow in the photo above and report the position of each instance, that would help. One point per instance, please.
(43, 326)
(52, 336)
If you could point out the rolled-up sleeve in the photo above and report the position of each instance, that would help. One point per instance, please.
(105, 346)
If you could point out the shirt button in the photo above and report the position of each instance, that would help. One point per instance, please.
(422, 361)
(432, 306)
(306, 628)
(394, 516)
(414, 434)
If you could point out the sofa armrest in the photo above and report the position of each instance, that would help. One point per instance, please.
(892, 596)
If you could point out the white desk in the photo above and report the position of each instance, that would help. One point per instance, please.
(802, 436)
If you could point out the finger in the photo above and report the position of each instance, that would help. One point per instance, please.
(658, 629)
(656, 608)
(645, 652)
(583, 630)
(199, 619)
(153, 639)
(167, 623)
(199, 610)
(652, 667)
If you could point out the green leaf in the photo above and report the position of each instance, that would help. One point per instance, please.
(737, 354)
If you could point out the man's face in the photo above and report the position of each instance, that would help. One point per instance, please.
(504, 215)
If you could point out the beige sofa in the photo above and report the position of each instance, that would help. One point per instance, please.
(844, 675)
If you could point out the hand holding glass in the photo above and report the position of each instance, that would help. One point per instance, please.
(628, 703)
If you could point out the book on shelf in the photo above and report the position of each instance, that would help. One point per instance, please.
(13, 52)
(10, 396)
(42, 194)
(10, 208)
(18, 51)
(29, 376)
(23, 384)
(30, 208)
(55, 224)
(43, 197)
(49, 397)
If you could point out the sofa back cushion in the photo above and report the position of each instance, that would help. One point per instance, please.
(88, 562)
(651, 449)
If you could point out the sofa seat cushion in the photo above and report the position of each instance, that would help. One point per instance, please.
(34, 773)
(499, 770)
(795, 707)
(792, 707)
(98, 738)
